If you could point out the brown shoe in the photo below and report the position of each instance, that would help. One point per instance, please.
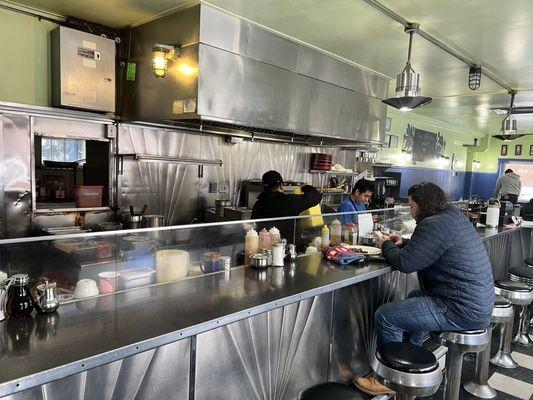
(370, 385)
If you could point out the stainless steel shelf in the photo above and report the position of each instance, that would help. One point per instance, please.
(315, 171)
(63, 210)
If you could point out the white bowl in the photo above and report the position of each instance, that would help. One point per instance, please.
(85, 288)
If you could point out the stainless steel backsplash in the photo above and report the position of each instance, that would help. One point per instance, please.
(177, 191)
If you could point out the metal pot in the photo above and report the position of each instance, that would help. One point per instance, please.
(153, 221)
(131, 221)
(220, 205)
(259, 260)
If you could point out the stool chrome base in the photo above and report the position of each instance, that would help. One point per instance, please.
(504, 360)
(478, 390)
(522, 339)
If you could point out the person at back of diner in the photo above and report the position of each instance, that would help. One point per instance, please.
(356, 201)
(454, 272)
(508, 187)
(274, 203)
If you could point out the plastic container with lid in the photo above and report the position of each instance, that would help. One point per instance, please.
(251, 245)
(264, 239)
(275, 236)
(335, 230)
(88, 196)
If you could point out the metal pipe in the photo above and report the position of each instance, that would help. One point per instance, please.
(452, 381)
(32, 14)
(398, 18)
(177, 160)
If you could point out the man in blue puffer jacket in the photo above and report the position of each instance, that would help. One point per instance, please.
(456, 284)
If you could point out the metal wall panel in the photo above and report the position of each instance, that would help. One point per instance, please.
(227, 32)
(270, 356)
(353, 338)
(16, 166)
(176, 191)
(162, 373)
(247, 92)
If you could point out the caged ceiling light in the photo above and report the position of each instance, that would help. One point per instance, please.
(407, 82)
(474, 78)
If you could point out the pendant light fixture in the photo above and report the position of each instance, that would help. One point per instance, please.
(509, 125)
(407, 82)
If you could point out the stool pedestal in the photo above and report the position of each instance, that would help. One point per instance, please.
(459, 343)
(522, 338)
(479, 386)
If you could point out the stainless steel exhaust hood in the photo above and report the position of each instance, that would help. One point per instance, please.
(234, 73)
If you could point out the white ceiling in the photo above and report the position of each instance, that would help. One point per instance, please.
(494, 34)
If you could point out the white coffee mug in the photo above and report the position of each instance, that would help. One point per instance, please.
(85, 288)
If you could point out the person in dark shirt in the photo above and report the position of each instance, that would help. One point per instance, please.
(274, 203)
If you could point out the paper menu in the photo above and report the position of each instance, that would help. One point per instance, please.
(366, 224)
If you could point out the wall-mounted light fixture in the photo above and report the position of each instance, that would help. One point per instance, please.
(476, 164)
(474, 78)
(161, 54)
(407, 82)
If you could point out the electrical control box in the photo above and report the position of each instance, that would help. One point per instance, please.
(83, 70)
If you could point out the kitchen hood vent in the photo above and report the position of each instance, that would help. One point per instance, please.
(236, 75)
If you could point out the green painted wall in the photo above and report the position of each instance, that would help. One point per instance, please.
(24, 59)
(489, 158)
(455, 138)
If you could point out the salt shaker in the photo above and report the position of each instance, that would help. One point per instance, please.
(292, 252)
(278, 254)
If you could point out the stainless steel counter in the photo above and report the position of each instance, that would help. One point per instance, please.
(94, 332)
(150, 323)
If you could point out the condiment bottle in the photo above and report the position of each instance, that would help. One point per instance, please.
(278, 254)
(325, 236)
(19, 302)
(251, 245)
(264, 239)
(335, 232)
(275, 236)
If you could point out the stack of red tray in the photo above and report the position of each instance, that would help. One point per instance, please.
(322, 161)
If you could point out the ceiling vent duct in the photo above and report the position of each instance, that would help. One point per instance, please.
(231, 72)
(408, 82)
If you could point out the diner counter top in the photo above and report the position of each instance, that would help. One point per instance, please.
(89, 333)
(93, 332)
(487, 233)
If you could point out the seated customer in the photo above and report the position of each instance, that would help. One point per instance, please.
(356, 201)
(454, 272)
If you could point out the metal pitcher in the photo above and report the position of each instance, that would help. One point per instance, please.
(46, 299)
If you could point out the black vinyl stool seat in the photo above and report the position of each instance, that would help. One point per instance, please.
(407, 369)
(511, 285)
(521, 274)
(331, 390)
(406, 357)
(501, 302)
(529, 261)
(524, 276)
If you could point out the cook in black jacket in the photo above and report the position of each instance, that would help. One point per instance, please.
(273, 203)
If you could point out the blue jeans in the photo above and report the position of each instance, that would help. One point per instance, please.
(417, 315)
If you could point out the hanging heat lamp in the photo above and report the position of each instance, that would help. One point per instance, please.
(509, 125)
(407, 82)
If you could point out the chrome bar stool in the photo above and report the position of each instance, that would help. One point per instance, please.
(529, 261)
(459, 343)
(524, 275)
(517, 293)
(409, 370)
(331, 390)
(502, 313)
